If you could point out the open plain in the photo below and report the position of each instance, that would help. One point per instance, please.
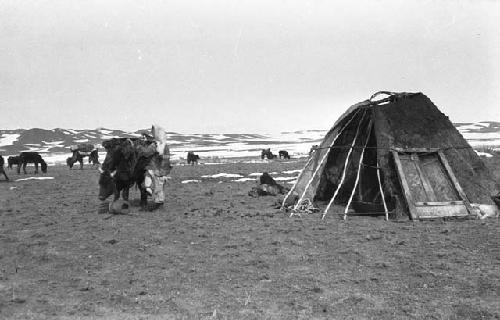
(214, 252)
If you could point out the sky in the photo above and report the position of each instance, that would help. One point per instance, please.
(226, 66)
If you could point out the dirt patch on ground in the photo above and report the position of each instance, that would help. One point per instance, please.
(214, 252)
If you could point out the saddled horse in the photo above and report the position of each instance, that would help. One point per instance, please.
(79, 156)
(31, 157)
(266, 153)
(129, 161)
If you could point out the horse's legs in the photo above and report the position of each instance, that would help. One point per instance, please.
(36, 167)
(18, 168)
(125, 193)
(144, 199)
(81, 164)
(24, 167)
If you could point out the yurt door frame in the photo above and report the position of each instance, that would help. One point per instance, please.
(430, 187)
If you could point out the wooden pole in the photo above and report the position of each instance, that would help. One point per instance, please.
(295, 184)
(359, 171)
(322, 160)
(382, 193)
(345, 167)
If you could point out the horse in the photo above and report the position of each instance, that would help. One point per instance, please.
(192, 158)
(78, 157)
(130, 161)
(13, 160)
(266, 153)
(283, 154)
(31, 157)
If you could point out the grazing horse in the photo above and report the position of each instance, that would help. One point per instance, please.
(2, 162)
(284, 154)
(129, 161)
(13, 160)
(78, 157)
(192, 158)
(31, 157)
(266, 153)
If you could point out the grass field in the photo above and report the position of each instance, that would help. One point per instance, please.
(213, 252)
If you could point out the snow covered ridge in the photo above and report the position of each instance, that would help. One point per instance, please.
(55, 143)
(485, 133)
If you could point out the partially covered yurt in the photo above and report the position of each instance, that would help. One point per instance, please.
(398, 156)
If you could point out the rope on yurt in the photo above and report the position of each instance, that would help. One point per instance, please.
(359, 170)
(323, 159)
(345, 167)
(382, 193)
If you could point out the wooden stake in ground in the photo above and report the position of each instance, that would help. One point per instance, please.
(382, 193)
(295, 184)
(322, 160)
(359, 170)
(345, 167)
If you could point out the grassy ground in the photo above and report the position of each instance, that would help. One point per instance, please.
(215, 253)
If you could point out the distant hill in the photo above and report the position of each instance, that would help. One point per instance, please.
(58, 141)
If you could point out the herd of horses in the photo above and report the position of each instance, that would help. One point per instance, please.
(25, 158)
(193, 158)
(128, 162)
(267, 154)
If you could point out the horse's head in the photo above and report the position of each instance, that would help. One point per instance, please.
(69, 162)
(106, 185)
(43, 165)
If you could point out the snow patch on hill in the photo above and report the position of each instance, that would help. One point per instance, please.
(8, 139)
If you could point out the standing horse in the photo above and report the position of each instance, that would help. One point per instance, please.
(192, 158)
(284, 154)
(31, 157)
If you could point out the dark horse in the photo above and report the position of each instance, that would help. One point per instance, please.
(13, 160)
(192, 158)
(266, 153)
(284, 154)
(78, 157)
(126, 163)
(31, 157)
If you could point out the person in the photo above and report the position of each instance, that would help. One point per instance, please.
(2, 162)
